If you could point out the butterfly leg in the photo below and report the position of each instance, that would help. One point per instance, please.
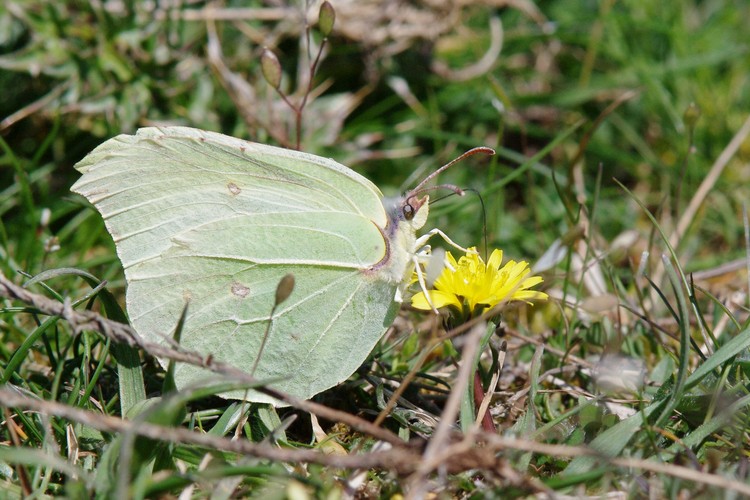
(422, 282)
(422, 240)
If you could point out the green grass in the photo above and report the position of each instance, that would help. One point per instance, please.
(599, 152)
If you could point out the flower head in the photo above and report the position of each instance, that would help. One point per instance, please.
(469, 286)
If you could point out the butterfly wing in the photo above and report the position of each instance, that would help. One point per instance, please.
(214, 222)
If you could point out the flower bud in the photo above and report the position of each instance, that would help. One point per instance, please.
(326, 18)
(271, 68)
(284, 288)
(691, 115)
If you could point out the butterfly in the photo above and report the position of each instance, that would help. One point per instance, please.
(211, 222)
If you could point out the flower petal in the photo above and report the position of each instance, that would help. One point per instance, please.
(439, 299)
(470, 285)
(496, 259)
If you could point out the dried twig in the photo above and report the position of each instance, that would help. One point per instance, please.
(458, 457)
(401, 458)
(698, 476)
(34, 107)
(434, 455)
(119, 332)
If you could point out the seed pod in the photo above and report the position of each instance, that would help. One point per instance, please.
(326, 18)
(691, 115)
(271, 68)
(284, 288)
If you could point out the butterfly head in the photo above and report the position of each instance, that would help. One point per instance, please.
(410, 210)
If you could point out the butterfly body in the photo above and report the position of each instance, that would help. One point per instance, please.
(214, 222)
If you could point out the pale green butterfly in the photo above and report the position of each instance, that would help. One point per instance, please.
(215, 222)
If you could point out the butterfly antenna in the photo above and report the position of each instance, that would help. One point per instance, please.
(484, 219)
(457, 190)
(450, 187)
(419, 188)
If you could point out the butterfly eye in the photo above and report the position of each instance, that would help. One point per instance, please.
(408, 211)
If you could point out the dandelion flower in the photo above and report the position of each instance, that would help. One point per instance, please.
(469, 286)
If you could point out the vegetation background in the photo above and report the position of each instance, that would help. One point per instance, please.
(622, 171)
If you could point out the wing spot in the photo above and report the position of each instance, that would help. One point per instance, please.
(240, 290)
(234, 189)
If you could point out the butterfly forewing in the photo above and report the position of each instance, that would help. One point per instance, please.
(214, 222)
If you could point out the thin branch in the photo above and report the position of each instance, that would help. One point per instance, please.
(119, 332)
(458, 457)
(698, 476)
(433, 458)
(400, 458)
(34, 107)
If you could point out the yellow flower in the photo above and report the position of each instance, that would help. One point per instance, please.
(470, 285)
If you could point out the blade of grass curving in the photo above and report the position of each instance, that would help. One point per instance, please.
(95, 283)
(645, 318)
(671, 251)
(129, 371)
(683, 322)
(663, 298)
(47, 274)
